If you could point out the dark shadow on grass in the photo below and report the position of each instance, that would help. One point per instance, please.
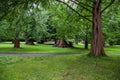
(99, 68)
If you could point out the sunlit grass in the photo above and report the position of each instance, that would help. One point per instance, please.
(39, 48)
(44, 48)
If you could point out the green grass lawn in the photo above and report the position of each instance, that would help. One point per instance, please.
(44, 48)
(77, 67)
(72, 67)
(113, 49)
(39, 48)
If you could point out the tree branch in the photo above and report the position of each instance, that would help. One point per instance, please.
(81, 5)
(84, 4)
(74, 10)
(112, 1)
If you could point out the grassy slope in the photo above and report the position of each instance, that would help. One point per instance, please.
(77, 67)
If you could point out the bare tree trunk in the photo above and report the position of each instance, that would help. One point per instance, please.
(97, 47)
(63, 43)
(16, 43)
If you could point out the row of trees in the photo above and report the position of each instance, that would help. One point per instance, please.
(61, 20)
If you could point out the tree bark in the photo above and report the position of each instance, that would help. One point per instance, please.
(16, 43)
(97, 46)
(63, 43)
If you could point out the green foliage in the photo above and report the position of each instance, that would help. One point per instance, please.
(111, 25)
(49, 19)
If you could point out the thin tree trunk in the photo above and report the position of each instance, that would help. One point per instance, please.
(16, 43)
(97, 47)
(86, 42)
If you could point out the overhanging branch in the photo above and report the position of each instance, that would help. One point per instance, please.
(81, 5)
(112, 1)
(74, 10)
(84, 4)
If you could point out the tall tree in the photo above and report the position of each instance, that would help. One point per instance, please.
(97, 48)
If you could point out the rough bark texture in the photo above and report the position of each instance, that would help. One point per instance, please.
(63, 43)
(16, 43)
(29, 42)
(97, 47)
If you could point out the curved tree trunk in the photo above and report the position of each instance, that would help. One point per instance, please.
(63, 43)
(29, 42)
(16, 43)
(97, 47)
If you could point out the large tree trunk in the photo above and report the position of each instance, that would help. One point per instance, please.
(97, 47)
(29, 42)
(16, 43)
(63, 43)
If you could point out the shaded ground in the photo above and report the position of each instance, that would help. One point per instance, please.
(37, 54)
(45, 54)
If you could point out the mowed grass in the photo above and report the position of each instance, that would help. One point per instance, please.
(115, 49)
(72, 67)
(39, 48)
(45, 48)
(77, 67)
